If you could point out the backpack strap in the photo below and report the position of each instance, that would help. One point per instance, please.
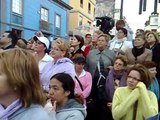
(79, 83)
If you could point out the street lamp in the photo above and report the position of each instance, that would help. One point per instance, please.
(153, 19)
(121, 11)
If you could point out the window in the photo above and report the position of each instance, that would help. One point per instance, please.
(80, 20)
(44, 14)
(81, 3)
(17, 6)
(89, 8)
(17, 12)
(58, 24)
(58, 21)
(94, 12)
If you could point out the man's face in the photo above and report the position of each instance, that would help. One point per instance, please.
(4, 39)
(88, 40)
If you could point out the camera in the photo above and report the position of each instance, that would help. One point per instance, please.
(106, 23)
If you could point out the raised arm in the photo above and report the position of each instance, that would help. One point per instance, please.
(120, 107)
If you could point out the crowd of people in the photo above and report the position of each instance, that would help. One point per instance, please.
(95, 77)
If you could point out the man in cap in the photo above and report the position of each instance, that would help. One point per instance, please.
(41, 46)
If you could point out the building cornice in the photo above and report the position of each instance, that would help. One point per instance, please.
(63, 4)
(77, 11)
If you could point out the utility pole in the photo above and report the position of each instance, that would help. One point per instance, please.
(121, 11)
(144, 5)
(155, 6)
(140, 6)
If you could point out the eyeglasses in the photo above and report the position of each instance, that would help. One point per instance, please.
(133, 78)
(39, 43)
(55, 49)
(116, 63)
(120, 32)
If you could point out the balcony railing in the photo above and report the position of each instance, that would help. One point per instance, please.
(44, 25)
(16, 19)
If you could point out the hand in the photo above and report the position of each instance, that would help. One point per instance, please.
(116, 83)
(109, 105)
(48, 105)
(140, 85)
(118, 50)
(54, 106)
(109, 67)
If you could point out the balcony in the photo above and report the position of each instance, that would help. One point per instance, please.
(17, 19)
(44, 25)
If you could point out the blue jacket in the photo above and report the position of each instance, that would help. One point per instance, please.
(154, 87)
(72, 110)
(34, 112)
(156, 117)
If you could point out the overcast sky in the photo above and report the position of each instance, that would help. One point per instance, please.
(131, 12)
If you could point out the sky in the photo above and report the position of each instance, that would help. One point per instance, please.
(131, 13)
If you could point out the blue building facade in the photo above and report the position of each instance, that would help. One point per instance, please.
(26, 17)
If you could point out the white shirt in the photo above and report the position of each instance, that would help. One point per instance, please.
(47, 58)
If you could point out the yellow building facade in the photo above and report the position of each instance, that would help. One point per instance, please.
(82, 13)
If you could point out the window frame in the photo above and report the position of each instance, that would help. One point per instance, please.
(81, 3)
(89, 8)
(59, 26)
(80, 20)
(44, 14)
(17, 7)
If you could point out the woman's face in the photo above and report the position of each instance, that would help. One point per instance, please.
(39, 46)
(120, 34)
(75, 42)
(29, 44)
(132, 79)
(79, 67)
(151, 39)
(56, 92)
(102, 43)
(56, 53)
(95, 38)
(139, 42)
(118, 65)
(153, 71)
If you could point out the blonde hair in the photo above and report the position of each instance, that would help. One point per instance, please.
(98, 32)
(21, 43)
(62, 45)
(107, 37)
(155, 36)
(22, 73)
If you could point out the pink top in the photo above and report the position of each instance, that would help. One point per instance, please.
(86, 81)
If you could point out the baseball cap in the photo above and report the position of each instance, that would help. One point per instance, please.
(42, 39)
(79, 60)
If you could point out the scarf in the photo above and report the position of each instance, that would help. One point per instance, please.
(110, 86)
(12, 108)
(138, 51)
(154, 87)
